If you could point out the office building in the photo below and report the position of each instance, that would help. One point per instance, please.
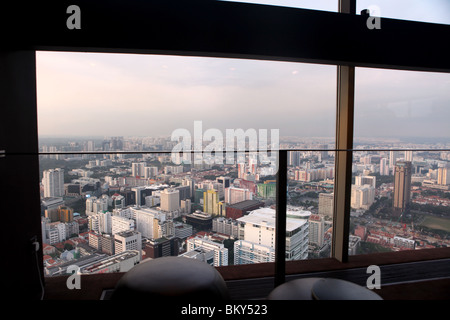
(199, 220)
(402, 187)
(107, 244)
(224, 181)
(161, 247)
(119, 224)
(147, 221)
(170, 200)
(247, 252)
(258, 227)
(220, 253)
(128, 240)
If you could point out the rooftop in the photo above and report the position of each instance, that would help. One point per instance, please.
(242, 205)
(266, 217)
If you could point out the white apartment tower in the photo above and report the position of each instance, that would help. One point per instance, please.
(316, 229)
(53, 182)
(137, 169)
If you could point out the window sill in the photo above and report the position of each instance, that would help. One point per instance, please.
(92, 286)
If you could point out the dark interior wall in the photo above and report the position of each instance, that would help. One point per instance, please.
(19, 175)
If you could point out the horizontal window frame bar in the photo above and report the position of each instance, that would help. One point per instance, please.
(212, 152)
(203, 28)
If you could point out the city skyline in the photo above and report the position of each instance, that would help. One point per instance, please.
(151, 95)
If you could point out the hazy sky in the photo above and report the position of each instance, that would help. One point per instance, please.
(149, 95)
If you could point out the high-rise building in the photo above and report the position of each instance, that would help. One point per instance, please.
(316, 229)
(65, 214)
(408, 155)
(234, 195)
(150, 172)
(225, 181)
(443, 176)
(211, 202)
(191, 183)
(53, 182)
(128, 240)
(137, 169)
(147, 221)
(95, 205)
(170, 200)
(294, 158)
(393, 155)
(267, 190)
(258, 228)
(402, 187)
(326, 204)
(119, 224)
(219, 252)
(362, 196)
(363, 180)
(384, 167)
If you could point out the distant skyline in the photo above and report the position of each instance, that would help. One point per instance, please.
(94, 94)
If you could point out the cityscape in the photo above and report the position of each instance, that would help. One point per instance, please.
(106, 212)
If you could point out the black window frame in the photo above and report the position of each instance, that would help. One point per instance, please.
(193, 28)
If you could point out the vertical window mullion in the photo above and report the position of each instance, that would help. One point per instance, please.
(280, 229)
(344, 145)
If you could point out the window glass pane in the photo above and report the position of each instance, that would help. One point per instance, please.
(400, 192)
(115, 127)
(116, 98)
(401, 109)
(434, 11)
(310, 201)
(107, 212)
(324, 5)
(400, 201)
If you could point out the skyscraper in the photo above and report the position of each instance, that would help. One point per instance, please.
(384, 167)
(316, 229)
(443, 176)
(53, 182)
(402, 187)
(137, 169)
(211, 202)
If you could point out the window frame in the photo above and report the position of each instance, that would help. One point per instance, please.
(202, 28)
